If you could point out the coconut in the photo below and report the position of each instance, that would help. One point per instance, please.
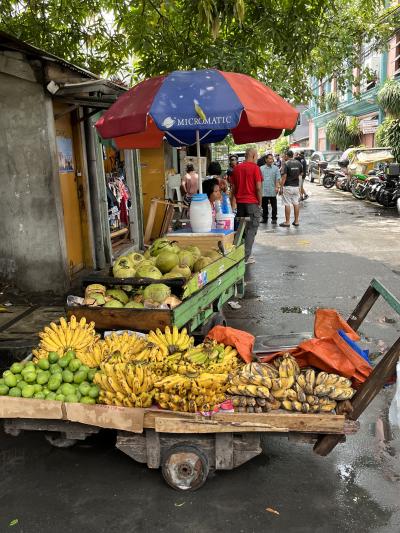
(134, 305)
(163, 245)
(194, 251)
(172, 275)
(114, 303)
(135, 258)
(186, 258)
(95, 288)
(183, 271)
(118, 294)
(201, 263)
(123, 268)
(213, 254)
(148, 271)
(157, 292)
(172, 301)
(166, 261)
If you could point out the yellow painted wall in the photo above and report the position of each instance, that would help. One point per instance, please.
(73, 196)
(153, 183)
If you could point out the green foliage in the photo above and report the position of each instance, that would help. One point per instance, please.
(389, 98)
(381, 132)
(281, 144)
(392, 138)
(331, 101)
(281, 43)
(343, 131)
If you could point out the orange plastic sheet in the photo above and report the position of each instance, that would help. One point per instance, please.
(241, 340)
(328, 351)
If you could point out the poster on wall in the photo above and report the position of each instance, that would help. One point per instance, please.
(65, 154)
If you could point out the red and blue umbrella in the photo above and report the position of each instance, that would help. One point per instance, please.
(202, 106)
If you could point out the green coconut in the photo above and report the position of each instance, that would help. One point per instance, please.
(213, 254)
(135, 258)
(194, 250)
(114, 304)
(100, 300)
(201, 263)
(163, 245)
(118, 294)
(183, 271)
(166, 261)
(186, 258)
(148, 271)
(172, 275)
(123, 268)
(157, 292)
(134, 305)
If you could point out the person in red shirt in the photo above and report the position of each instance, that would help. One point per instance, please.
(246, 180)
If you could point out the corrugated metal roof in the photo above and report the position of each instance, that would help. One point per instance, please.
(9, 42)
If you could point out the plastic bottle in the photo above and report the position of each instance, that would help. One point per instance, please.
(218, 206)
(226, 204)
(200, 214)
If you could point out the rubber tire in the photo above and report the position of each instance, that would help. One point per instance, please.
(328, 183)
(370, 195)
(185, 474)
(58, 440)
(398, 205)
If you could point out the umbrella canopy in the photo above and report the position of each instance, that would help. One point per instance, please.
(204, 105)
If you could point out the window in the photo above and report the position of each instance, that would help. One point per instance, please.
(371, 60)
(397, 56)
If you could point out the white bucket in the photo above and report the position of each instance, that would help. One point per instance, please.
(225, 221)
(200, 214)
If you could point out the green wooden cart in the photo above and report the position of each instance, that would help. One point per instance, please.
(203, 298)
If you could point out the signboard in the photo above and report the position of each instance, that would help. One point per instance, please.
(372, 123)
(369, 130)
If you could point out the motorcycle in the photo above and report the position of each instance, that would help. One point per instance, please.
(388, 194)
(362, 184)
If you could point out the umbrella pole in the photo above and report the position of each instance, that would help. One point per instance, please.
(199, 161)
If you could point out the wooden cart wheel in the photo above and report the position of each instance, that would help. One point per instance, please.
(185, 467)
(59, 440)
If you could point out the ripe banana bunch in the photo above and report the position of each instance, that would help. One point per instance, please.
(324, 378)
(94, 355)
(131, 384)
(125, 347)
(72, 335)
(288, 366)
(255, 391)
(216, 358)
(228, 360)
(171, 342)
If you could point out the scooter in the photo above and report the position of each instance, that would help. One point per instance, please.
(389, 193)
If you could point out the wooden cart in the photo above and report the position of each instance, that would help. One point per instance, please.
(188, 446)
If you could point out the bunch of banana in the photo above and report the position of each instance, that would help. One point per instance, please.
(171, 342)
(227, 362)
(255, 391)
(288, 366)
(73, 335)
(125, 346)
(125, 384)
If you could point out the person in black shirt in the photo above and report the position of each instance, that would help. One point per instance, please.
(291, 171)
(299, 156)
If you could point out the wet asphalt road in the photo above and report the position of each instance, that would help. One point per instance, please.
(329, 261)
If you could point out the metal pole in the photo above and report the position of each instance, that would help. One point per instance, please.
(199, 161)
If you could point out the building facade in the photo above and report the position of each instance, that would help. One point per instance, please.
(53, 207)
(358, 101)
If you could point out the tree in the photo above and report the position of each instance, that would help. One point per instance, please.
(281, 43)
(280, 145)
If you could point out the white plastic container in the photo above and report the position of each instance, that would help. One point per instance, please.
(225, 221)
(200, 214)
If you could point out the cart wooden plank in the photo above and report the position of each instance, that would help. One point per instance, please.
(176, 425)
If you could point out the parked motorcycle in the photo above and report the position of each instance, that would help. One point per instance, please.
(388, 194)
(362, 185)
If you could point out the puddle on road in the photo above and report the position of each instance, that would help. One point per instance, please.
(299, 310)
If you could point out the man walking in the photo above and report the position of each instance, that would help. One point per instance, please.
(271, 185)
(291, 171)
(246, 180)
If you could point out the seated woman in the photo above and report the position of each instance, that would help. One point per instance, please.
(212, 190)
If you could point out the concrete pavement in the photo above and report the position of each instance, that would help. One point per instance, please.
(328, 261)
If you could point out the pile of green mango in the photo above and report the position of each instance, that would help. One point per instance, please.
(64, 379)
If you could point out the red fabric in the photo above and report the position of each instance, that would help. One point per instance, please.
(331, 353)
(129, 113)
(264, 107)
(151, 138)
(244, 133)
(244, 178)
(123, 212)
(241, 340)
